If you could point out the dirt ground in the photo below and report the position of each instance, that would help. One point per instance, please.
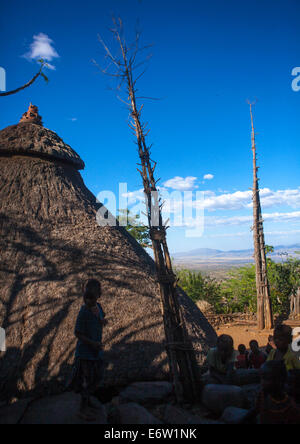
(243, 334)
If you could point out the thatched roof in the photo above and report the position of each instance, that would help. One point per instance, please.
(33, 140)
(50, 244)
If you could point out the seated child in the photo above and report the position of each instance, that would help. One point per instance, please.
(293, 385)
(221, 361)
(242, 358)
(273, 405)
(283, 338)
(270, 346)
(256, 358)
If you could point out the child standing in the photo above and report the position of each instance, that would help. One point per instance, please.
(89, 366)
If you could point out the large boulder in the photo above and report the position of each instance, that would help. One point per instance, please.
(132, 413)
(13, 413)
(59, 409)
(234, 415)
(246, 376)
(216, 397)
(147, 392)
(177, 415)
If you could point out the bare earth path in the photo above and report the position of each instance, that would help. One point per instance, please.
(243, 334)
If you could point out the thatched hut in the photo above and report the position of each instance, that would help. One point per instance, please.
(50, 244)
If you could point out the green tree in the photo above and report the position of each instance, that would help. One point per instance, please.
(269, 249)
(200, 288)
(239, 290)
(284, 281)
(134, 226)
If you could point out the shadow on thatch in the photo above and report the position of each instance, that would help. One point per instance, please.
(33, 317)
(50, 244)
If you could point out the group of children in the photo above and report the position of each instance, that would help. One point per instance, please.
(255, 359)
(279, 368)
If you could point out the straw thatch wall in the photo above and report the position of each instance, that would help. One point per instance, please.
(50, 244)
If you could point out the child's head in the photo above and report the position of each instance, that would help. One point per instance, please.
(225, 346)
(254, 346)
(273, 377)
(92, 292)
(283, 337)
(242, 349)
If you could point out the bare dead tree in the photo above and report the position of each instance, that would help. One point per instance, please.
(38, 74)
(181, 355)
(264, 308)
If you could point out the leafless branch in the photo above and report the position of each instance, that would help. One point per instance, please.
(15, 91)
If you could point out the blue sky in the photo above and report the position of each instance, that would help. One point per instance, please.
(208, 59)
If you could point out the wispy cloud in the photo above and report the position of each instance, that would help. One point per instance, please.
(42, 48)
(208, 176)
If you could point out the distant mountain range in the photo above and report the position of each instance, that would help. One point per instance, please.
(207, 257)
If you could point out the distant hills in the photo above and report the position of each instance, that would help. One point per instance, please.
(210, 258)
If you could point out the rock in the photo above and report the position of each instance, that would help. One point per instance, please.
(60, 409)
(147, 392)
(217, 397)
(246, 376)
(13, 413)
(205, 307)
(177, 415)
(133, 413)
(251, 391)
(233, 415)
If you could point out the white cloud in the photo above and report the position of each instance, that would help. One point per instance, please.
(188, 205)
(181, 183)
(281, 197)
(247, 233)
(42, 48)
(225, 221)
(240, 220)
(228, 201)
(134, 196)
(243, 199)
(208, 176)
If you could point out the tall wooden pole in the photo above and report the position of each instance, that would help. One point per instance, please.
(264, 308)
(180, 352)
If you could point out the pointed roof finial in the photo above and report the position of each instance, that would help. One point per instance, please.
(32, 116)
